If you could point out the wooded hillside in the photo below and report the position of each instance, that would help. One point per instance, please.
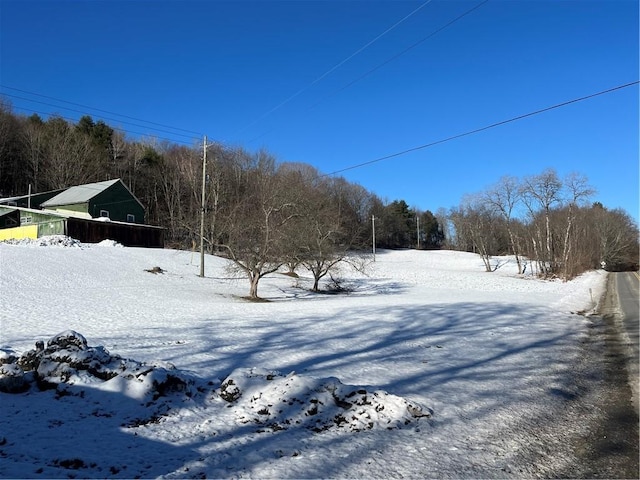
(263, 213)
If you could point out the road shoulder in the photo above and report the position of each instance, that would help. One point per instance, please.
(610, 449)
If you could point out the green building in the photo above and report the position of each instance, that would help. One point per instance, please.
(90, 213)
(110, 199)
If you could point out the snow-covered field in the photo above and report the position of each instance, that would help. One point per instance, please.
(429, 367)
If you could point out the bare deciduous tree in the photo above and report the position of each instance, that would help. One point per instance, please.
(503, 198)
(324, 241)
(69, 157)
(11, 175)
(254, 223)
(477, 227)
(617, 237)
(34, 141)
(578, 191)
(543, 191)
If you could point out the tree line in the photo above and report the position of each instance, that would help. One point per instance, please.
(263, 214)
(548, 224)
(259, 212)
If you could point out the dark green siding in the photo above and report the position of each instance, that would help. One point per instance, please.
(118, 201)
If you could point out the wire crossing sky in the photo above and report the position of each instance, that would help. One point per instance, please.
(338, 84)
(338, 65)
(86, 108)
(366, 74)
(482, 129)
(91, 111)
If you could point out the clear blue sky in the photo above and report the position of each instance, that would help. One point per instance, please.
(327, 83)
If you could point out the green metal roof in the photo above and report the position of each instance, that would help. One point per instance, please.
(79, 194)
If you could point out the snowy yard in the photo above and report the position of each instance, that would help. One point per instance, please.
(429, 367)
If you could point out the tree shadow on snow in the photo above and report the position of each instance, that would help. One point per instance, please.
(81, 432)
(467, 358)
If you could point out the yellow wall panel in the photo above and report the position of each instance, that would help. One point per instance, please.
(29, 231)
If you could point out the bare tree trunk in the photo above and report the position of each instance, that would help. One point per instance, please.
(514, 249)
(254, 278)
(34, 141)
(503, 198)
(566, 248)
(579, 189)
(535, 255)
(545, 190)
(550, 257)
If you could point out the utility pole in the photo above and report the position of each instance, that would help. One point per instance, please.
(418, 230)
(204, 179)
(373, 223)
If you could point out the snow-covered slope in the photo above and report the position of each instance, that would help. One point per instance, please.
(471, 354)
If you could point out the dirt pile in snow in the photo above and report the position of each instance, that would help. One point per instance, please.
(273, 402)
(60, 241)
(264, 399)
(68, 360)
(47, 241)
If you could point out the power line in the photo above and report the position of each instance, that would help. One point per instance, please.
(335, 67)
(487, 127)
(114, 128)
(389, 60)
(105, 118)
(98, 110)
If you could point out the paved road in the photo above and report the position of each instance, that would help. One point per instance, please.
(627, 287)
(605, 378)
